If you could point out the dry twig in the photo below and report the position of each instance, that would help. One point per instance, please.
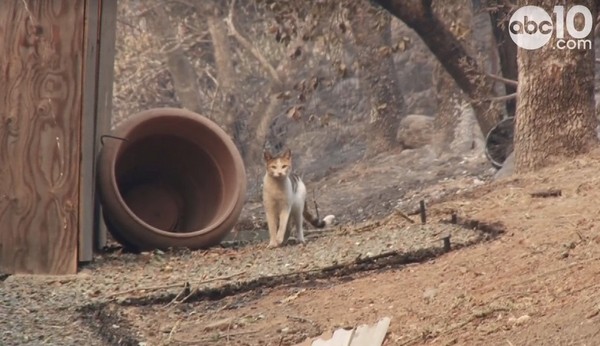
(502, 79)
(503, 98)
(404, 216)
(184, 291)
(172, 332)
(148, 288)
(300, 319)
(200, 341)
(161, 287)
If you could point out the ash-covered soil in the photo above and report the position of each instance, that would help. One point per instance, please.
(39, 310)
(534, 285)
(44, 310)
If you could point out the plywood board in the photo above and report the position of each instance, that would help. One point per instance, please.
(40, 134)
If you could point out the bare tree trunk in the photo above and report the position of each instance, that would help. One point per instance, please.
(555, 112)
(264, 121)
(457, 15)
(260, 121)
(465, 70)
(222, 53)
(263, 113)
(225, 72)
(372, 32)
(185, 80)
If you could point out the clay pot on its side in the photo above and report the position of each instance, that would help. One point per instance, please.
(175, 180)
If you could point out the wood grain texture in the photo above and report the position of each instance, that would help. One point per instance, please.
(40, 121)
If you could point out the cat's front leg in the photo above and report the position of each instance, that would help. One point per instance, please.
(283, 222)
(272, 225)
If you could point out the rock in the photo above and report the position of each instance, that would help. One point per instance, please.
(429, 294)
(415, 131)
(519, 321)
(467, 134)
(422, 102)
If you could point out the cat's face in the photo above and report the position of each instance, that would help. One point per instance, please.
(278, 166)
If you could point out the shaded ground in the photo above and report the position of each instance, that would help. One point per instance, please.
(535, 285)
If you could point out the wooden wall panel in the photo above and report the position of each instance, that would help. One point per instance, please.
(40, 122)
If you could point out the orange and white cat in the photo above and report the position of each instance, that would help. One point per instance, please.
(284, 200)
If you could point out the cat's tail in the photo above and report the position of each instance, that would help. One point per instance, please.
(315, 221)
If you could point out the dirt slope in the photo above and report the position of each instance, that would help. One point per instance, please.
(537, 285)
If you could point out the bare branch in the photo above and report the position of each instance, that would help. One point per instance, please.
(503, 98)
(404, 216)
(452, 55)
(249, 46)
(503, 80)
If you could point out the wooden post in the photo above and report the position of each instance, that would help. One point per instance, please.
(88, 122)
(41, 128)
(100, 31)
(106, 60)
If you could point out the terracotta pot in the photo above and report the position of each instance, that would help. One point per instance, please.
(174, 179)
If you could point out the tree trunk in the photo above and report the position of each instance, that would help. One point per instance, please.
(372, 32)
(457, 15)
(221, 53)
(463, 68)
(555, 112)
(225, 95)
(261, 119)
(225, 73)
(185, 80)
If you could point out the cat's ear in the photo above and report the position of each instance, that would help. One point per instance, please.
(267, 156)
(287, 154)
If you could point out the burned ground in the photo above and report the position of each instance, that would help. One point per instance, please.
(535, 283)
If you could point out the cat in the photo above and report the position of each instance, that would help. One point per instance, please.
(284, 200)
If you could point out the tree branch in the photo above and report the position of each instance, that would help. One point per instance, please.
(180, 68)
(503, 80)
(452, 55)
(250, 47)
(503, 98)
